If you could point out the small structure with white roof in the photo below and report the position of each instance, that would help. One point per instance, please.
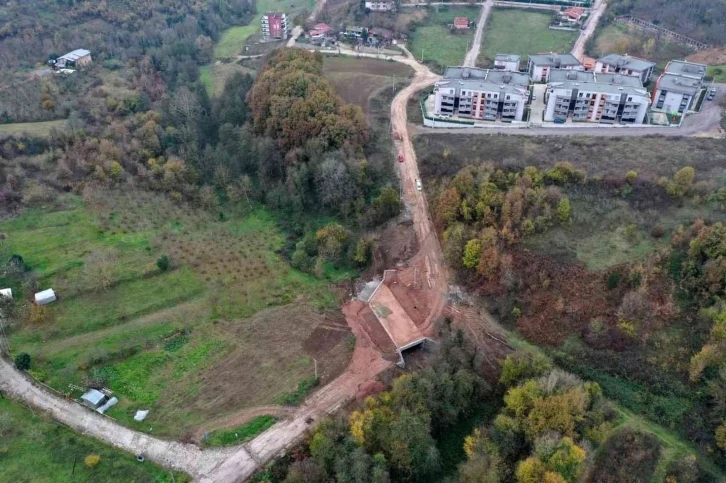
(45, 297)
(76, 58)
(6, 292)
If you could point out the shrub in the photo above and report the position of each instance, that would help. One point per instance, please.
(22, 361)
(163, 263)
(614, 280)
(657, 231)
(631, 176)
(92, 460)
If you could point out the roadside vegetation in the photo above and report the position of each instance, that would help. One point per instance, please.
(38, 450)
(240, 434)
(440, 45)
(523, 32)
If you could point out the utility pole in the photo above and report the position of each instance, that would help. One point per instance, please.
(316, 368)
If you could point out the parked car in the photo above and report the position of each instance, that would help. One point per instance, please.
(711, 94)
(400, 157)
(419, 186)
(560, 121)
(534, 97)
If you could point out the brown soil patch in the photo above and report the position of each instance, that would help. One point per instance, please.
(714, 56)
(364, 316)
(395, 244)
(272, 354)
(398, 324)
(417, 303)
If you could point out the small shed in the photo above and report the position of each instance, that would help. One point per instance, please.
(45, 297)
(93, 398)
(461, 23)
(6, 292)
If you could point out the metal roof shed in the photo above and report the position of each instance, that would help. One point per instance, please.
(45, 297)
(93, 398)
(6, 292)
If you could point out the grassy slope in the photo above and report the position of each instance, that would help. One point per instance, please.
(523, 32)
(41, 129)
(224, 270)
(440, 45)
(241, 433)
(232, 40)
(39, 451)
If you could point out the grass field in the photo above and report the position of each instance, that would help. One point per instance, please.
(240, 434)
(523, 32)
(234, 38)
(357, 80)
(718, 72)
(40, 451)
(214, 76)
(620, 39)
(438, 44)
(228, 326)
(40, 129)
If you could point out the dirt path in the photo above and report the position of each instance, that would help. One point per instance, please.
(579, 49)
(473, 54)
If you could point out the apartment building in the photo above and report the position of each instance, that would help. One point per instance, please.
(626, 65)
(539, 66)
(508, 62)
(677, 88)
(481, 94)
(595, 97)
(274, 26)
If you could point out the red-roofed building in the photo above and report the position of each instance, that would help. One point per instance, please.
(574, 14)
(461, 23)
(319, 31)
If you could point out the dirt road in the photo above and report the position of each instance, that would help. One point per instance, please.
(579, 49)
(473, 54)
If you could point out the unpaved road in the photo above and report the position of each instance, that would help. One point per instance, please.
(473, 54)
(579, 49)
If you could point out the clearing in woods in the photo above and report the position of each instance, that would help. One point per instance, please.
(229, 325)
(358, 80)
(523, 32)
(214, 76)
(38, 129)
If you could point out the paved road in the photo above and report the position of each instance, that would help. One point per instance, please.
(579, 49)
(473, 54)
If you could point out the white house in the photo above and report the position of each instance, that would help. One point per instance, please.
(540, 65)
(626, 65)
(509, 62)
(595, 97)
(677, 88)
(481, 94)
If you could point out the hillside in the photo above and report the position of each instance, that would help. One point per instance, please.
(702, 20)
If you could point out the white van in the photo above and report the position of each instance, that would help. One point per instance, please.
(419, 186)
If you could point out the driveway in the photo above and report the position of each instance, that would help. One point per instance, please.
(473, 54)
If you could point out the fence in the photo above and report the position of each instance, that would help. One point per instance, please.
(669, 34)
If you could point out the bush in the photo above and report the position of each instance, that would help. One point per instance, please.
(92, 460)
(163, 263)
(614, 280)
(22, 361)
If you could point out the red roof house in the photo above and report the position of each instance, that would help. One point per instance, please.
(574, 13)
(461, 23)
(320, 30)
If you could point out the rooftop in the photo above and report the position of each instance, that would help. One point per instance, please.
(626, 61)
(485, 79)
(679, 83)
(508, 57)
(553, 59)
(75, 55)
(689, 69)
(591, 81)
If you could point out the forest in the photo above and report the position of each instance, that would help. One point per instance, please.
(702, 20)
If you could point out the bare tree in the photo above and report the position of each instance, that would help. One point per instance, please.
(100, 268)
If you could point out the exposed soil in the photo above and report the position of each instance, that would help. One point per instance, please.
(395, 244)
(715, 56)
(368, 321)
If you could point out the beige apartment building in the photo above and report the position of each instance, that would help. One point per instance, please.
(484, 94)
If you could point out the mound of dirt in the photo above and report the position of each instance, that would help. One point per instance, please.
(714, 56)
